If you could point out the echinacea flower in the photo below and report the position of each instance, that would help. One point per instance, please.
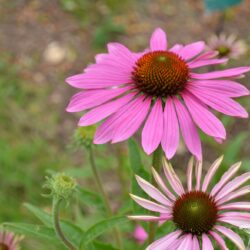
(227, 46)
(200, 214)
(160, 89)
(140, 235)
(9, 241)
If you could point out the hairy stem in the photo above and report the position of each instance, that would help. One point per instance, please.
(56, 222)
(156, 163)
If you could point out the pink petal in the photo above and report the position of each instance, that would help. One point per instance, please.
(223, 87)
(91, 98)
(206, 243)
(176, 48)
(190, 174)
(162, 185)
(195, 244)
(173, 178)
(220, 102)
(243, 191)
(201, 63)
(158, 40)
(236, 206)
(150, 205)
(232, 185)
(145, 218)
(165, 241)
(211, 172)
(153, 129)
(186, 242)
(221, 73)
(238, 221)
(99, 113)
(153, 192)
(170, 138)
(235, 238)
(225, 178)
(205, 56)
(189, 131)
(208, 123)
(198, 172)
(191, 50)
(140, 234)
(130, 121)
(165, 218)
(219, 240)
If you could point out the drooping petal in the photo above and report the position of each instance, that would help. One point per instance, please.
(232, 185)
(150, 205)
(244, 205)
(201, 63)
(162, 185)
(206, 243)
(195, 244)
(170, 137)
(210, 173)
(207, 122)
(153, 191)
(235, 238)
(224, 87)
(191, 50)
(189, 131)
(92, 98)
(242, 222)
(221, 73)
(172, 178)
(186, 242)
(128, 123)
(101, 112)
(158, 40)
(165, 241)
(219, 102)
(205, 56)
(219, 240)
(233, 195)
(145, 218)
(225, 178)
(198, 172)
(153, 129)
(190, 174)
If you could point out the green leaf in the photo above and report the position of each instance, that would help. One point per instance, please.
(36, 231)
(102, 246)
(100, 228)
(216, 5)
(73, 232)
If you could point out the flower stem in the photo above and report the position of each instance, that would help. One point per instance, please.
(117, 234)
(56, 222)
(156, 163)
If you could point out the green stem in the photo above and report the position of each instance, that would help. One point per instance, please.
(117, 234)
(56, 222)
(156, 163)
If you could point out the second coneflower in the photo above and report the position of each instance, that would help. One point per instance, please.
(200, 215)
(158, 87)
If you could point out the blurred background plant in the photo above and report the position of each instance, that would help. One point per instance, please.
(43, 42)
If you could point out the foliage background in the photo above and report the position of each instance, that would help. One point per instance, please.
(43, 42)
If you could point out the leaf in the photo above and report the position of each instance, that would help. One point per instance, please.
(102, 246)
(73, 232)
(100, 228)
(36, 231)
(216, 5)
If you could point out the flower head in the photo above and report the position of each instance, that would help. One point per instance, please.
(9, 241)
(200, 214)
(227, 46)
(159, 90)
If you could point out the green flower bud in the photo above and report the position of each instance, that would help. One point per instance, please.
(84, 136)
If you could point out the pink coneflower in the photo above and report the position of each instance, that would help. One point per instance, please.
(140, 235)
(227, 46)
(200, 215)
(9, 241)
(157, 87)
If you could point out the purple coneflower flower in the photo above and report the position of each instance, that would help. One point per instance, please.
(9, 241)
(227, 46)
(158, 87)
(200, 214)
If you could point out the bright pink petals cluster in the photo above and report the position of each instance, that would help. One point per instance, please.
(223, 194)
(109, 92)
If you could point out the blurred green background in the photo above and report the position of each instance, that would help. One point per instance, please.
(43, 42)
